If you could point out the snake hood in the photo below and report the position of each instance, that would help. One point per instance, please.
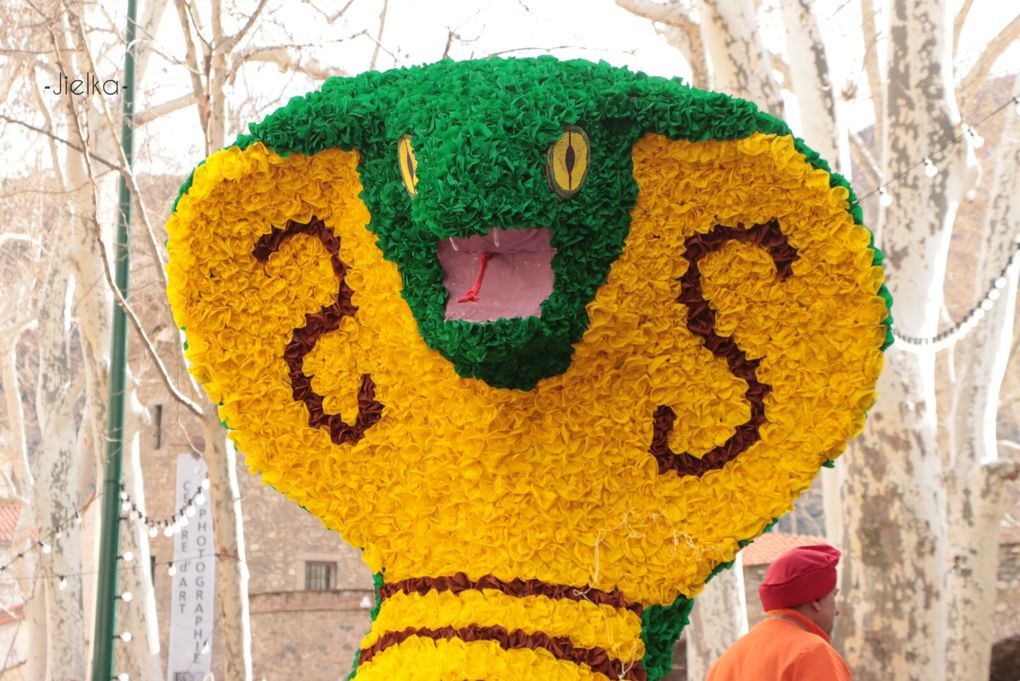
(461, 149)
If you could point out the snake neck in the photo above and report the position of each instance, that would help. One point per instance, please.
(455, 628)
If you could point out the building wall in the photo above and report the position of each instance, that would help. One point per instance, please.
(293, 630)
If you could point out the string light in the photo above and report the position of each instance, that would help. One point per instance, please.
(170, 526)
(45, 546)
(125, 636)
(976, 140)
(959, 331)
(884, 197)
(968, 133)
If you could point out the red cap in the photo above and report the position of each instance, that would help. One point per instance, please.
(799, 576)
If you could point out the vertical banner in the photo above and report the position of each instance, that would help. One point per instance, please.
(191, 605)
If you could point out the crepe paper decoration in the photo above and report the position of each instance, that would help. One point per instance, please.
(679, 321)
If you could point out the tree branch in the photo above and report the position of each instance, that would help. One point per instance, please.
(233, 40)
(129, 312)
(876, 82)
(163, 109)
(125, 167)
(330, 18)
(47, 133)
(961, 19)
(672, 13)
(993, 50)
(286, 60)
(191, 57)
(378, 40)
(864, 155)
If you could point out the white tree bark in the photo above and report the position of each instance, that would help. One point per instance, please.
(681, 31)
(231, 565)
(719, 618)
(741, 65)
(821, 123)
(140, 658)
(894, 622)
(55, 467)
(976, 478)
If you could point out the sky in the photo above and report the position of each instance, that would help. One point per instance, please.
(416, 32)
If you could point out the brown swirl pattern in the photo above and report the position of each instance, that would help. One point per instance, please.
(701, 322)
(597, 659)
(316, 326)
(519, 588)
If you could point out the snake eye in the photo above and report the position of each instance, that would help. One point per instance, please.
(567, 162)
(408, 165)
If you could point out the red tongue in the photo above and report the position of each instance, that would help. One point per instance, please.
(472, 295)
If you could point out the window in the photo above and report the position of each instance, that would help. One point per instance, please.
(320, 576)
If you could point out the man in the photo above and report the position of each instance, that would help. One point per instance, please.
(792, 642)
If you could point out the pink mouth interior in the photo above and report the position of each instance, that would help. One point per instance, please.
(517, 276)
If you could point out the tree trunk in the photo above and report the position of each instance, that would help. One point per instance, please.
(140, 657)
(740, 62)
(56, 463)
(228, 532)
(893, 613)
(976, 478)
(894, 610)
(820, 120)
(719, 618)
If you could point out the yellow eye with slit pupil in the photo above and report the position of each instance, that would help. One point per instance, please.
(408, 165)
(567, 162)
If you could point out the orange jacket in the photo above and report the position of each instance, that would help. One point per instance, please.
(785, 646)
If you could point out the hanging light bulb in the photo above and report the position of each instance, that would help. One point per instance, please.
(994, 294)
(172, 570)
(976, 140)
(153, 530)
(930, 169)
(123, 676)
(884, 198)
(1016, 100)
(125, 505)
(127, 597)
(200, 499)
(128, 556)
(46, 548)
(205, 483)
(190, 511)
(62, 584)
(126, 636)
(986, 304)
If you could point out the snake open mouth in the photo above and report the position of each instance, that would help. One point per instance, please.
(506, 273)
